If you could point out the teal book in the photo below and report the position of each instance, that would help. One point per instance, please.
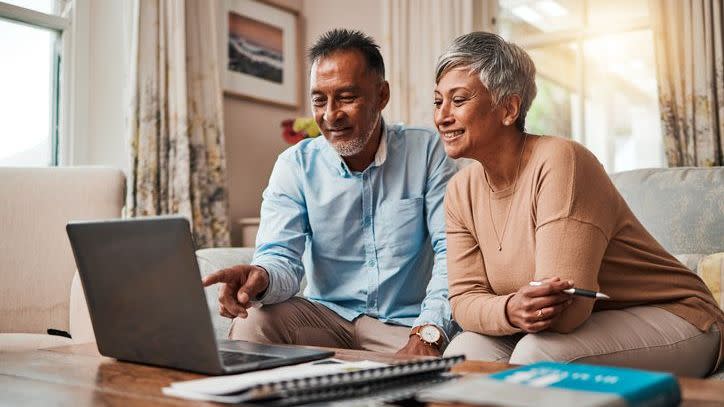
(559, 384)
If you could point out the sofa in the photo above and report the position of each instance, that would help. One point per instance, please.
(39, 287)
(683, 208)
(37, 269)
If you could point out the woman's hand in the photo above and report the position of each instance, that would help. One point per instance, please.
(533, 309)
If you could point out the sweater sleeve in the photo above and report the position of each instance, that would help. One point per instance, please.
(575, 211)
(571, 250)
(474, 304)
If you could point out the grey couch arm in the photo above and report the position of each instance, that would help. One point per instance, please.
(211, 260)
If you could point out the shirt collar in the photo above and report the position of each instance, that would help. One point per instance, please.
(381, 154)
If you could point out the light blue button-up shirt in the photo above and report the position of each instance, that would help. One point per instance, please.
(371, 242)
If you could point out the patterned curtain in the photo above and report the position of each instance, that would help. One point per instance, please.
(416, 32)
(177, 140)
(690, 63)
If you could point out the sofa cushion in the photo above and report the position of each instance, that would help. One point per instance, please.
(36, 261)
(711, 270)
(81, 329)
(683, 208)
(26, 342)
(690, 260)
(718, 375)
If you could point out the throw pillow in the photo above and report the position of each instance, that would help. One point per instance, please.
(690, 260)
(711, 270)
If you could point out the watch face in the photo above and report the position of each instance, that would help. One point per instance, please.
(430, 334)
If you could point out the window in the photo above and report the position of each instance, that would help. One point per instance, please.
(31, 44)
(596, 75)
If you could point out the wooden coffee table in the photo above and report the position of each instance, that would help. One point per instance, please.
(79, 376)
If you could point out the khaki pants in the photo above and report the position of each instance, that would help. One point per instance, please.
(638, 337)
(299, 321)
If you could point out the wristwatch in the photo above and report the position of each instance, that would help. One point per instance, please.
(429, 334)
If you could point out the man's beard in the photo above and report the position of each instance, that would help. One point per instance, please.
(355, 146)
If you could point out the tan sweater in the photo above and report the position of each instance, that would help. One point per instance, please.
(567, 220)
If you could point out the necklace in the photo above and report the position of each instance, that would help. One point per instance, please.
(510, 205)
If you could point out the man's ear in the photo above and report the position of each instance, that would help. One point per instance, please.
(511, 109)
(384, 95)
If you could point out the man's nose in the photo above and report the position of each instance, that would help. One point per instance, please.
(332, 114)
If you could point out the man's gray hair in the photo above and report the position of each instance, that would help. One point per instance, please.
(504, 68)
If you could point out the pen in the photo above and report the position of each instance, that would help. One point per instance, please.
(578, 291)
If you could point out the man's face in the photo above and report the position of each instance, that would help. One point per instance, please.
(347, 100)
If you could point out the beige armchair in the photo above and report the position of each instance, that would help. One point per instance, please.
(36, 263)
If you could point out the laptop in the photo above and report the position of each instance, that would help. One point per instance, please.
(147, 304)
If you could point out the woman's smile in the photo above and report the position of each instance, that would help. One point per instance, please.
(452, 135)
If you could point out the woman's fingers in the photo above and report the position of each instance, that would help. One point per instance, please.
(534, 306)
(537, 326)
(536, 303)
(545, 288)
(552, 311)
(545, 308)
(548, 301)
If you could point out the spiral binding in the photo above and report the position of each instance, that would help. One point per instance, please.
(355, 383)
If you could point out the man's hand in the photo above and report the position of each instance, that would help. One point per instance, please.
(415, 346)
(242, 283)
(534, 308)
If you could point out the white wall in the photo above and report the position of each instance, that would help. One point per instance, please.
(110, 46)
(324, 15)
(101, 136)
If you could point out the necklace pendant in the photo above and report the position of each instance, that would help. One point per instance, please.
(500, 248)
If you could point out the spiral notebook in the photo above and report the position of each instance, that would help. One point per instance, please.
(318, 381)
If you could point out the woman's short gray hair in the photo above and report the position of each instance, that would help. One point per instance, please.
(504, 68)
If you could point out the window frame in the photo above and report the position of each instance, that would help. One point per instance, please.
(70, 70)
(579, 37)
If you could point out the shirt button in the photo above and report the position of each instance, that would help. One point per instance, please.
(367, 221)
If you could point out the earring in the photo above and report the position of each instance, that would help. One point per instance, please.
(507, 122)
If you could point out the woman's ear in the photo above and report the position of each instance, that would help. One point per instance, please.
(511, 109)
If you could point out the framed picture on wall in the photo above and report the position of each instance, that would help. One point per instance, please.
(258, 52)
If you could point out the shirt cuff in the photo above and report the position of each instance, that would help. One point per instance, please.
(277, 291)
(431, 317)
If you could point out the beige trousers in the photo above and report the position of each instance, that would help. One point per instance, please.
(299, 321)
(638, 337)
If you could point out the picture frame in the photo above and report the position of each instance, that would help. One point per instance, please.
(258, 52)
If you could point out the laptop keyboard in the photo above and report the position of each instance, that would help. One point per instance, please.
(237, 358)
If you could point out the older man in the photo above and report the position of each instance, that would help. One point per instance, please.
(359, 212)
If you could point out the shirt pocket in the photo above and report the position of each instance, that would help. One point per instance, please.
(400, 226)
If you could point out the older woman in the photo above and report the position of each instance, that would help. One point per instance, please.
(541, 209)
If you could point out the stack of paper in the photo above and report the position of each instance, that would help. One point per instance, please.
(250, 386)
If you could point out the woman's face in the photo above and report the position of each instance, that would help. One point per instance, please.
(464, 114)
